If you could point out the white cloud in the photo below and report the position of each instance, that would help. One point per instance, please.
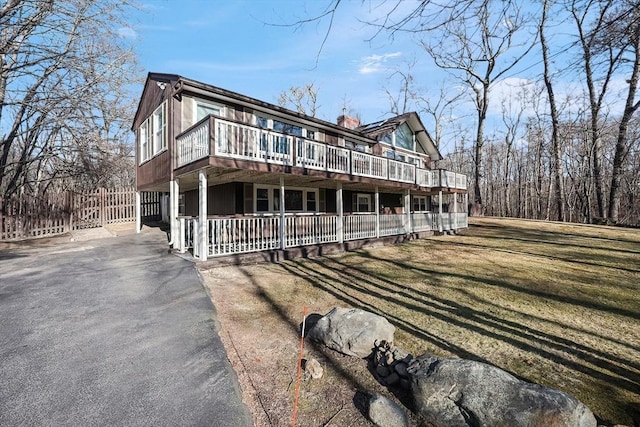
(375, 63)
(127, 33)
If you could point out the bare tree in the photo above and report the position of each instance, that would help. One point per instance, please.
(624, 33)
(439, 107)
(63, 69)
(555, 122)
(511, 119)
(475, 48)
(599, 64)
(303, 99)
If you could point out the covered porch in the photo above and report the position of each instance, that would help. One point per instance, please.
(209, 235)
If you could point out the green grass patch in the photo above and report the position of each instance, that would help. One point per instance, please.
(556, 304)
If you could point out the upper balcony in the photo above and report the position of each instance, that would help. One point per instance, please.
(218, 137)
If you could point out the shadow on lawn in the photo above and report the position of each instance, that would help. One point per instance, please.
(465, 317)
(507, 230)
(346, 281)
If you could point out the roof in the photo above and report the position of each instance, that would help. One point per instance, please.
(372, 131)
(381, 128)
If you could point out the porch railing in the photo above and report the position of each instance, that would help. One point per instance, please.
(310, 230)
(228, 236)
(241, 141)
(392, 225)
(359, 227)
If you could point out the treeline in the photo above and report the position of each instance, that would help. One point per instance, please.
(517, 179)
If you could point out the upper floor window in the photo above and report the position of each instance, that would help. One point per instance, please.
(203, 109)
(363, 148)
(152, 134)
(278, 126)
(402, 137)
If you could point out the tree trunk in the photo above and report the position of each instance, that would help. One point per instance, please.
(622, 147)
(556, 151)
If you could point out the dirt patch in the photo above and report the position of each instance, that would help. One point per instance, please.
(260, 331)
(554, 304)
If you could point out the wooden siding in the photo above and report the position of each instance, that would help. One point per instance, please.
(154, 172)
(221, 200)
(159, 169)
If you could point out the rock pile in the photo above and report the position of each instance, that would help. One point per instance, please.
(445, 391)
(389, 364)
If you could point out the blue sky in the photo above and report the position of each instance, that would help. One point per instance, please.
(235, 45)
(230, 44)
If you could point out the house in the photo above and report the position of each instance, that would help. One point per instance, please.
(243, 175)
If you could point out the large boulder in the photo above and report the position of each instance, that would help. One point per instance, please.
(351, 331)
(458, 392)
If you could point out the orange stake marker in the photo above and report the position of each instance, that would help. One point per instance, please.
(299, 375)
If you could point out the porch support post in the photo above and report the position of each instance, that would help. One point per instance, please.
(455, 211)
(466, 209)
(138, 212)
(174, 191)
(202, 214)
(340, 225)
(407, 211)
(440, 211)
(283, 243)
(377, 205)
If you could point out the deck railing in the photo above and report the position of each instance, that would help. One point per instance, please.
(193, 144)
(363, 164)
(319, 156)
(240, 141)
(403, 172)
(228, 236)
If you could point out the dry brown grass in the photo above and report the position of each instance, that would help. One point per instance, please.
(556, 304)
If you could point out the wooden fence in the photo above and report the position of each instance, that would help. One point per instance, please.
(29, 217)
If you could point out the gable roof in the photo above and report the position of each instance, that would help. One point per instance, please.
(371, 131)
(378, 129)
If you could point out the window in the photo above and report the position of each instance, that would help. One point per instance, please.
(152, 134)
(159, 130)
(203, 109)
(143, 136)
(363, 202)
(419, 203)
(262, 200)
(262, 122)
(311, 201)
(311, 134)
(267, 199)
(293, 200)
(363, 148)
(287, 128)
(404, 137)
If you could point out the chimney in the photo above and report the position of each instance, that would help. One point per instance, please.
(348, 121)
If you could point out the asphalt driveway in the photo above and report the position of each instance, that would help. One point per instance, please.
(112, 331)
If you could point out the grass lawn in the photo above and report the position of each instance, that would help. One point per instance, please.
(556, 304)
